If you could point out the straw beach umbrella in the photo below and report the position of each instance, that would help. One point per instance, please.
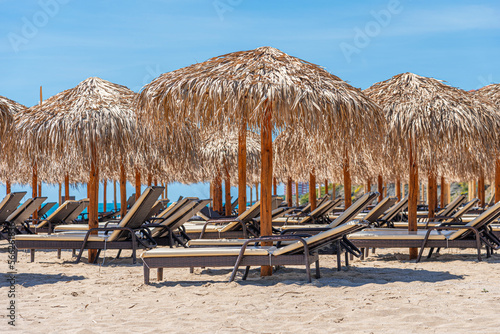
(428, 119)
(492, 93)
(95, 120)
(218, 155)
(8, 109)
(263, 88)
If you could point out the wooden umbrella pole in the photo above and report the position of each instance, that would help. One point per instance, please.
(497, 180)
(481, 189)
(7, 187)
(242, 168)
(266, 180)
(385, 189)
(211, 190)
(368, 186)
(412, 196)
(34, 186)
(312, 190)
(166, 189)
(380, 184)
(275, 186)
(334, 191)
(227, 190)
(297, 200)
(430, 194)
(347, 181)
(251, 194)
(218, 193)
(443, 188)
(66, 187)
(137, 184)
(123, 190)
(257, 191)
(150, 179)
(398, 188)
(114, 196)
(60, 194)
(289, 192)
(93, 198)
(104, 195)
(326, 187)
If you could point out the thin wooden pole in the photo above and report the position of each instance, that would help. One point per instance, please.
(242, 169)
(227, 189)
(334, 190)
(368, 186)
(443, 189)
(347, 181)
(289, 192)
(497, 180)
(7, 187)
(34, 186)
(448, 193)
(150, 179)
(385, 189)
(66, 187)
(166, 189)
(481, 189)
(297, 201)
(93, 198)
(123, 190)
(105, 195)
(218, 193)
(430, 193)
(275, 186)
(326, 187)
(211, 190)
(251, 194)
(413, 196)
(312, 190)
(257, 191)
(137, 183)
(60, 194)
(380, 184)
(398, 188)
(114, 196)
(266, 180)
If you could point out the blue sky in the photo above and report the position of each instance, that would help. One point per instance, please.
(58, 43)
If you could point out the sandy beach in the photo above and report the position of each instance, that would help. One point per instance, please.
(384, 293)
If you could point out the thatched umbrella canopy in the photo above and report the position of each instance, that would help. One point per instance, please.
(218, 157)
(263, 88)
(8, 108)
(428, 119)
(492, 93)
(96, 119)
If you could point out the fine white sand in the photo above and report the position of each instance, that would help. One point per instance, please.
(385, 293)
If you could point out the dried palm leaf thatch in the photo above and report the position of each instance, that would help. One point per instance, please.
(8, 109)
(442, 121)
(491, 92)
(298, 152)
(96, 113)
(219, 148)
(238, 86)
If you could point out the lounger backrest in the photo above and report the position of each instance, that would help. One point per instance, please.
(380, 208)
(234, 204)
(483, 219)
(137, 214)
(322, 238)
(190, 213)
(10, 204)
(180, 205)
(23, 212)
(168, 219)
(450, 208)
(45, 209)
(463, 210)
(208, 213)
(400, 206)
(72, 216)
(354, 209)
(320, 210)
(131, 200)
(60, 214)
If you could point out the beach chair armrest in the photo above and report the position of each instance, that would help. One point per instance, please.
(305, 229)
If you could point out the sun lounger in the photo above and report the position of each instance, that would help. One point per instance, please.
(45, 209)
(301, 251)
(65, 213)
(19, 217)
(9, 204)
(318, 215)
(449, 235)
(128, 234)
(240, 226)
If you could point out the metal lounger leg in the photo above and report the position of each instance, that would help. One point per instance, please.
(32, 255)
(339, 253)
(119, 253)
(245, 274)
(59, 253)
(146, 274)
(159, 274)
(318, 274)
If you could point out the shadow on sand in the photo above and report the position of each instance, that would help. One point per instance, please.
(34, 279)
(351, 277)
